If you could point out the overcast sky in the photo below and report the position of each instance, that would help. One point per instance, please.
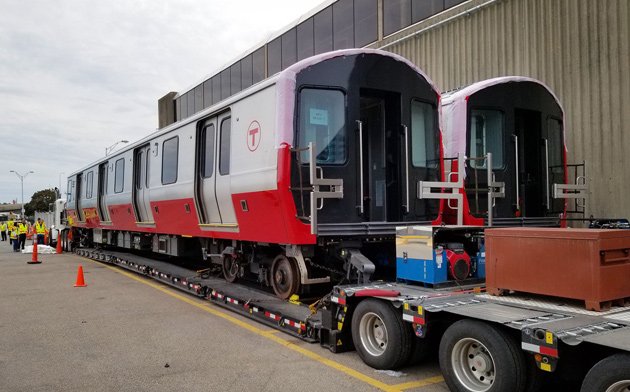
(77, 76)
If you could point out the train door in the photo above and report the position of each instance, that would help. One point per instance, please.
(223, 187)
(379, 149)
(102, 192)
(528, 169)
(207, 173)
(373, 167)
(80, 197)
(141, 181)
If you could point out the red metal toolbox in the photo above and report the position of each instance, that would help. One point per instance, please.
(584, 264)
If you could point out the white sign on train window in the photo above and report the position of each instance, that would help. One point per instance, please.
(318, 117)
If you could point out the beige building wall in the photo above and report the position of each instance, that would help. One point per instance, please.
(580, 48)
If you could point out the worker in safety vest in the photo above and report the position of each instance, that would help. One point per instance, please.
(40, 230)
(3, 230)
(13, 236)
(10, 225)
(22, 230)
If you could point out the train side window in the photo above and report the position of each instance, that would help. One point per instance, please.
(486, 135)
(424, 143)
(207, 143)
(147, 169)
(224, 152)
(555, 145)
(139, 169)
(170, 149)
(89, 182)
(119, 176)
(323, 121)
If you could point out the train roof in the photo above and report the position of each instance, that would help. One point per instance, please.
(285, 80)
(455, 107)
(463, 93)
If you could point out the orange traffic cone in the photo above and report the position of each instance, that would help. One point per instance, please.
(59, 250)
(80, 281)
(34, 258)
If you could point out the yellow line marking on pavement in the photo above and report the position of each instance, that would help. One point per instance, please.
(271, 332)
(419, 384)
(290, 345)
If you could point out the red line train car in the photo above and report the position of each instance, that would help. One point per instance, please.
(313, 167)
(520, 121)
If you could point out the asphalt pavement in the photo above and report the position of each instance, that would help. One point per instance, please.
(124, 332)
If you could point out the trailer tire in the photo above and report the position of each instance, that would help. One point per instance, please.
(611, 374)
(380, 336)
(479, 357)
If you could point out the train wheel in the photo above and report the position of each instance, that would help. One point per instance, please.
(285, 278)
(230, 268)
(380, 336)
(611, 374)
(478, 357)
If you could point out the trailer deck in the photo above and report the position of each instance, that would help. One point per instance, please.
(542, 321)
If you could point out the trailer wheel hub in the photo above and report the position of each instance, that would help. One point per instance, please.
(481, 362)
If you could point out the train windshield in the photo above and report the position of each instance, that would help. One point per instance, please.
(323, 122)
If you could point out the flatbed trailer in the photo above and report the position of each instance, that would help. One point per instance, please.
(487, 343)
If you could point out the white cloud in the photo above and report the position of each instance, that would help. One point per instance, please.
(77, 76)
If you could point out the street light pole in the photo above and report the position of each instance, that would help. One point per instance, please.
(22, 177)
(111, 148)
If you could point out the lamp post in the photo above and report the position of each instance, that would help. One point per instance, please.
(22, 177)
(109, 149)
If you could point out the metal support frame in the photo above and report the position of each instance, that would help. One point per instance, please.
(577, 191)
(335, 186)
(495, 189)
(425, 189)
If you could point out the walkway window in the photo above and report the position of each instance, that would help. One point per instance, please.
(486, 135)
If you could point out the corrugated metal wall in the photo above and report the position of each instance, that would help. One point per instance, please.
(580, 48)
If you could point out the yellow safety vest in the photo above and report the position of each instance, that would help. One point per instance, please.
(3, 227)
(22, 229)
(40, 229)
(13, 233)
(11, 224)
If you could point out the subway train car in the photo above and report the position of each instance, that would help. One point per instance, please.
(294, 180)
(520, 121)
